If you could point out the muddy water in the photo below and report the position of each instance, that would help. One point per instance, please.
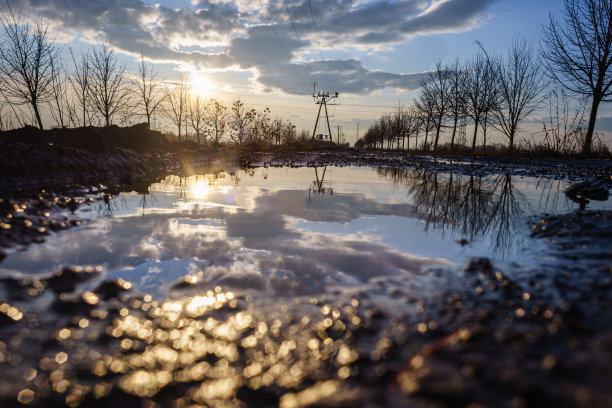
(258, 287)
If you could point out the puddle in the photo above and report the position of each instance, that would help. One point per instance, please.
(300, 231)
(310, 286)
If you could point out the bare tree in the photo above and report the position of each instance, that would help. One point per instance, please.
(519, 82)
(493, 101)
(150, 93)
(456, 99)
(176, 96)
(61, 109)
(240, 119)
(197, 115)
(276, 130)
(108, 88)
(260, 129)
(216, 121)
(579, 55)
(437, 89)
(410, 125)
(6, 119)
(426, 107)
(26, 57)
(476, 91)
(80, 84)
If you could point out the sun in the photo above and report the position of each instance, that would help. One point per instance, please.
(201, 85)
(199, 190)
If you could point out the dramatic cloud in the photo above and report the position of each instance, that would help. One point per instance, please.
(281, 44)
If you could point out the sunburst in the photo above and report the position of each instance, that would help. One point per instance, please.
(201, 85)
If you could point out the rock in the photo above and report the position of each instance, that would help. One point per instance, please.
(582, 192)
(68, 278)
(112, 288)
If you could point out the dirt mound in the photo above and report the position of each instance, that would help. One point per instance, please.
(94, 139)
(30, 156)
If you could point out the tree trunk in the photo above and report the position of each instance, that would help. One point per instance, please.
(454, 132)
(437, 133)
(512, 133)
(476, 123)
(588, 138)
(484, 133)
(37, 114)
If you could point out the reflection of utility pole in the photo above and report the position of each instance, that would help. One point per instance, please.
(320, 186)
(338, 127)
(319, 182)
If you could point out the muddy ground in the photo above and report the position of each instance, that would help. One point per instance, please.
(520, 337)
(596, 171)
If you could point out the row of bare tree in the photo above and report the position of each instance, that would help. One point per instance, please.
(486, 91)
(95, 88)
(500, 92)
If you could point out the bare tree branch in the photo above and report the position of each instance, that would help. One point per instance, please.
(26, 59)
(579, 54)
(107, 84)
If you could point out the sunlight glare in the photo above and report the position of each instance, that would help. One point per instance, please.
(199, 190)
(201, 85)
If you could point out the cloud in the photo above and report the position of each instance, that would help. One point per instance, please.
(278, 43)
(603, 124)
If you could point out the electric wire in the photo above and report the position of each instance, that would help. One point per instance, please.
(280, 41)
(299, 39)
(317, 38)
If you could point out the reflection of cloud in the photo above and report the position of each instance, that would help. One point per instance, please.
(240, 274)
(259, 249)
(321, 260)
(255, 228)
(340, 208)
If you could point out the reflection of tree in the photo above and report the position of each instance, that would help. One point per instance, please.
(468, 207)
(549, 193)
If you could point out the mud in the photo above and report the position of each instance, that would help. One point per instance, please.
(599, 171)
(537, 335)
(492, 337)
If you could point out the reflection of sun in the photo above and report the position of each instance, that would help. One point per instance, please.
(199, 190)
(201, 84)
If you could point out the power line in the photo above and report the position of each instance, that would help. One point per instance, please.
(292, 24)
(279, 39)
(317, 37)
(298, 36)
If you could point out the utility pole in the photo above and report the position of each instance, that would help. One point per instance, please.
(357, 131)
(338, 127)
(321, 99)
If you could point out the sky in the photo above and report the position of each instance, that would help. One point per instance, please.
(268, 53)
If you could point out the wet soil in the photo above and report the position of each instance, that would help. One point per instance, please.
(491, 337)
(519, 337)
(599, 171)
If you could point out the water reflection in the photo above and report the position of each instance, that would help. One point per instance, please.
(263, 230)
(468, 207)
(320, 185)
